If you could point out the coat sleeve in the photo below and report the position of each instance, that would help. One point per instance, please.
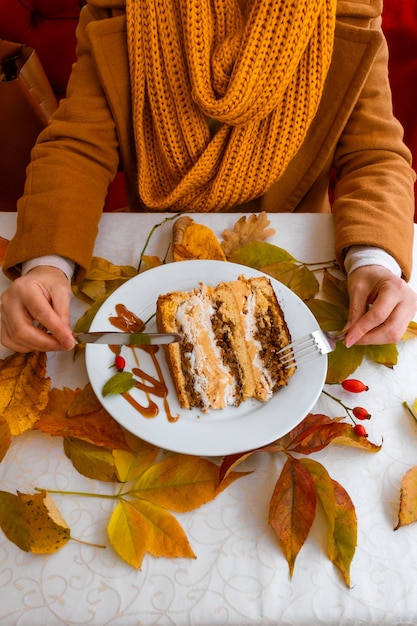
(374, 191)
(73, 162)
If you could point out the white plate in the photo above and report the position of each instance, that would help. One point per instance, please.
(217, 433)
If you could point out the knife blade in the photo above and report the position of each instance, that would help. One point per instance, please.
(127, 339)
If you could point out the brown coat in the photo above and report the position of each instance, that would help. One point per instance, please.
(354, 133)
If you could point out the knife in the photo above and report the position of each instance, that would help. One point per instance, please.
(127, 339)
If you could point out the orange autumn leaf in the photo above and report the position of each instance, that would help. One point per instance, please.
(140, 527)
(5, 438)
(78, 413)
(24, 390)
(3, 246)
(246, 230)
(292, 508)
(340, 515)
(33, 522)
(408, 499)
(194, 241)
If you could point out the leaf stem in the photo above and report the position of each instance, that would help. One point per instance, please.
(167, 219)
(79, 493)
(405, 405)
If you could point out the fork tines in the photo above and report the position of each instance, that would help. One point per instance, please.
(305, 349)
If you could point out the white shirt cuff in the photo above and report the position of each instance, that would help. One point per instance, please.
(52, 260)
(359, 256)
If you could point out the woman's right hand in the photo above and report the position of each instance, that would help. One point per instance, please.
(33, 303)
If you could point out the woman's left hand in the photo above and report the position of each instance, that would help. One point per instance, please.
(381, 306)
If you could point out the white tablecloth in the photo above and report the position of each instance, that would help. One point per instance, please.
(240, 576)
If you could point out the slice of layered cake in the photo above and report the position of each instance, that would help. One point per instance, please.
(231, 335)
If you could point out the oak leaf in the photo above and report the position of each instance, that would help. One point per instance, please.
(33, 522)
(24, 390)
(292, 508)
(246, 230)
(340, 515)
(194, 241)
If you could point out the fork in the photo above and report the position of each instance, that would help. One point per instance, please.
(308, 347)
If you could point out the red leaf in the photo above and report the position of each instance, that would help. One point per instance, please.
(292, 508)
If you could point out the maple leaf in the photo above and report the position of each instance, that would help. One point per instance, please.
(78, 413)
(33, 522)
(194, 241)
(23, 390)
(246, 230)
(3, 247)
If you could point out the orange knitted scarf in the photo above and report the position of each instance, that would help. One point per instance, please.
(222, 101)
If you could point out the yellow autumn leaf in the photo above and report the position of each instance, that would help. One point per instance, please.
(140, 527)
(33, 522)
(131, 465)
(90, 460)
(246, 230)
(151, 261)
(194, 241)
(340, 515)
(24, 390)
(411, 332)
(408, 499)
(179, 483)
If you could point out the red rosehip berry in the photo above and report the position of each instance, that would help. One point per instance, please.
(119, 363)
(353, 385)
(361, 413)
(360, 430)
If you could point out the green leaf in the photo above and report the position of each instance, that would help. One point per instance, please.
(384, 355)
(330, 317)
(260, 254)
(343, 362)
(299, 278)
(340, 515)
(119, 383)
(335, 290)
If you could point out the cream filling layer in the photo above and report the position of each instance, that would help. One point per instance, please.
(263, 380)
(212, 380)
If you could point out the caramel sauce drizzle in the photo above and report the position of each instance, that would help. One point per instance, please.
(128, 322)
